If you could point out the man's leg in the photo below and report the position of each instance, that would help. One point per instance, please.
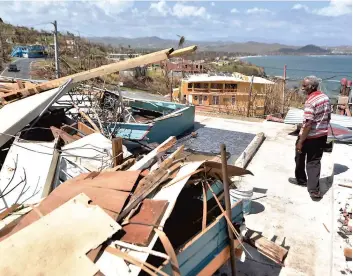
(315, 151)
(300, 174)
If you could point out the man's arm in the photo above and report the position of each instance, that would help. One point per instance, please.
(306, 130)
(308, 117)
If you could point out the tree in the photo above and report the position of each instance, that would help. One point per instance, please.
(181, 41)
(181, 44)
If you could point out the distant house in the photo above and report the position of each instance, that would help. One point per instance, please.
(70, 43)
(122, 56)
(28, 51)
(175, 67)
(187, 66)
(222, 90)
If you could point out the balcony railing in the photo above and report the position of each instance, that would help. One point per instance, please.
(212, 90)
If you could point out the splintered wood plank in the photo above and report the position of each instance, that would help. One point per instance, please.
(268, 248)
(140, 228)
(57, 243)
(142, 164)
(117, 149)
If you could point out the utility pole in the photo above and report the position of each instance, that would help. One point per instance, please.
(250, 92)
(2, 48)
(56, 45)
(284, 87)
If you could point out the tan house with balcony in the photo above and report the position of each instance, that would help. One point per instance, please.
(224, 91)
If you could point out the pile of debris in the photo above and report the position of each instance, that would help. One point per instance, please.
(92, 182)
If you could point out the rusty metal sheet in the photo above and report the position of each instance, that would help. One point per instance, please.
(140, 228)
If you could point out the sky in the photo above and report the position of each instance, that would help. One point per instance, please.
(325, 23)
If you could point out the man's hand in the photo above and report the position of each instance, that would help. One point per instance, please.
(299, 146)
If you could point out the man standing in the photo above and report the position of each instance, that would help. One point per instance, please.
(312, 137)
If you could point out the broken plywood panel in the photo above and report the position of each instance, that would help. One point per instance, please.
(110, 200)
(57, 243)
(121, 181)
(140, 228)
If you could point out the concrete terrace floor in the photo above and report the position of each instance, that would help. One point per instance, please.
(283, 212)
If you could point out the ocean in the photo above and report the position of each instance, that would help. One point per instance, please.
(331, 69)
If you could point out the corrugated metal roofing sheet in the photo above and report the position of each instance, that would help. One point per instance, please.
(295, 117)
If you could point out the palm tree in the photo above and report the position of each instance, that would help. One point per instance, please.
(181, 44)
(181, 41)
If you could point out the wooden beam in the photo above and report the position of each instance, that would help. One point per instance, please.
(244, 159)
(87, 118)
(183, 51)
(100, 71)
(143, 163)
(117, 146)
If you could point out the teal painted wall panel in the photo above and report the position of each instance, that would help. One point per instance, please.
(174, 126)
(193, 259)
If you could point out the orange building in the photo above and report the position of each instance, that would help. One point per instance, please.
(231, 90)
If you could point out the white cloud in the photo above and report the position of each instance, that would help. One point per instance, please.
(249, 29)
(257, 11)
(180, 10)
(300, 7)
(213, 4)
(234, 10)
(236, 23)
(335, 8)
(160, 7)
(111, 7)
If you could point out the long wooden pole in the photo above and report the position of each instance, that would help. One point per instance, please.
(228, 207)
(100, 71)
